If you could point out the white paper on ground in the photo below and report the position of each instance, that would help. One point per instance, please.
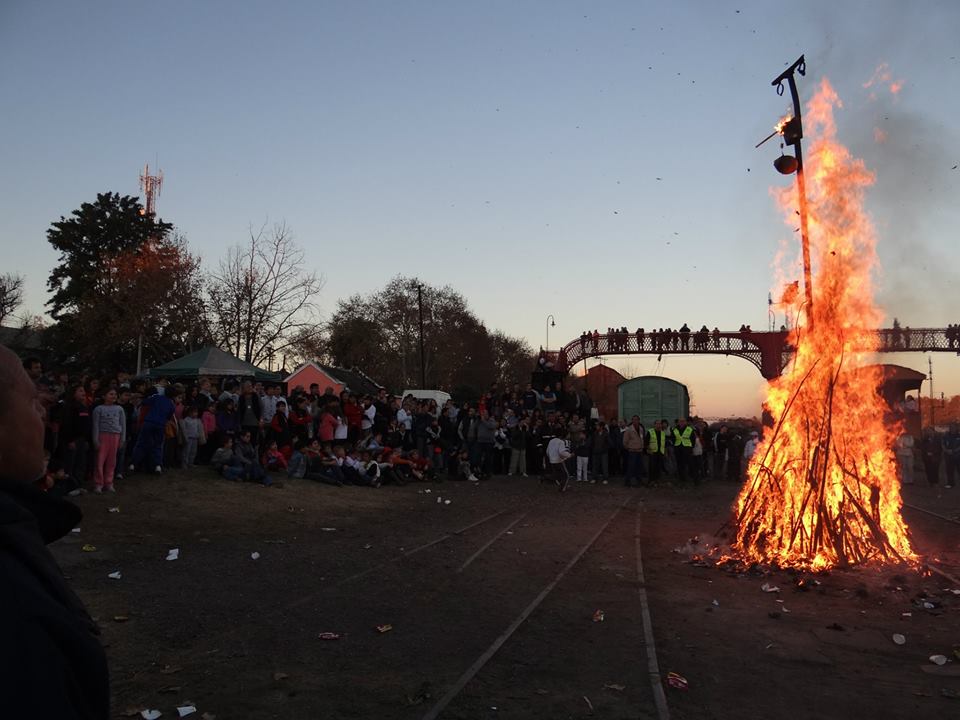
(114, 575)
(173, 554)
(185, 710)
(254, 556)
(150, 714)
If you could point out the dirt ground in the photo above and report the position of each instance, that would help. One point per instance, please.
(239, 637)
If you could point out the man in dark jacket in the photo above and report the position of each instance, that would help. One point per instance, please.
(51, 663)
(149, 448)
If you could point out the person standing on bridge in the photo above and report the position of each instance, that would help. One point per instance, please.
(683, 436)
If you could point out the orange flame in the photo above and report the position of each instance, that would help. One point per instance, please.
(883, 77)
(822, 487)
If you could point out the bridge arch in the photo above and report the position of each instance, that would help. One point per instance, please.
(769, 352)
(766, 351)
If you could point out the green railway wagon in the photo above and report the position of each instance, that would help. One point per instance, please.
(652, 398)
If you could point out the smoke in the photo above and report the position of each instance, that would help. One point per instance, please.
(890, 119)
(911, 200)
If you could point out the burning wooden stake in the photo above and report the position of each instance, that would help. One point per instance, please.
(822, 489)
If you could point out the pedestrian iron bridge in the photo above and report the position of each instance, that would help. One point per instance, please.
(768, 351)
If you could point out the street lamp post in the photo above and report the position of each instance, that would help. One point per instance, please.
(423, 359)
(550, 324)
(792, 132)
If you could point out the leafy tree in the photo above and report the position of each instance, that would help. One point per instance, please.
(513, 359)
(261, 299)
(11, 294)
(122, 280)
(95, 233)
(150, 299)
(380, 334)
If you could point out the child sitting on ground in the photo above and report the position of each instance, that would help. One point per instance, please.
(297, 466)
(224, 463)
(371, 469)
(464, 471)
(273, 460)
(322, 464)
(421, 468)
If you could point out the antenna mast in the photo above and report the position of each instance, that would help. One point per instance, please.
(150, 184)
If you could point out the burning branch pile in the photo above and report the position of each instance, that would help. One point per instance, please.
(822, 489)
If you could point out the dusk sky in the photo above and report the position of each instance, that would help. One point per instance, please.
(590, 160)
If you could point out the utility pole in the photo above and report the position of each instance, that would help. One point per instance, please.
(930, 367)
(150, 184)
(792, 132)
(423, 359)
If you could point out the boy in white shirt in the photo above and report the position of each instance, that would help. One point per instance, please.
(558, 452)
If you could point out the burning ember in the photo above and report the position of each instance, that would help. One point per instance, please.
(822, 488)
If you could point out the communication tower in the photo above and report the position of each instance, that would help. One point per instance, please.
(150, 184)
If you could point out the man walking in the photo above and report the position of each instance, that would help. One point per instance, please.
(557, 455)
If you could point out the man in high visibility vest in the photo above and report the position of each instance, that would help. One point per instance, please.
(656, 449)
(683, 437)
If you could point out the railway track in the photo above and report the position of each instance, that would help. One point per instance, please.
(933, 563)
(523, 563)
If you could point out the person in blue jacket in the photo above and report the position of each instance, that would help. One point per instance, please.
(148, 452)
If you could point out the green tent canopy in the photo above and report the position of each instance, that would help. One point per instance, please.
(211, 361)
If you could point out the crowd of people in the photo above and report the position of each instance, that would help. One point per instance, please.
(662, 340)
(934, 450)
(98, 429)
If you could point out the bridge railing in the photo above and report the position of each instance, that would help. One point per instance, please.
(749, 344)
(655, 343)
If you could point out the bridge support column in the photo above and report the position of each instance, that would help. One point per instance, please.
(771, 353)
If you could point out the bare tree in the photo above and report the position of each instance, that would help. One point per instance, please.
(11, 294)
(262, 300)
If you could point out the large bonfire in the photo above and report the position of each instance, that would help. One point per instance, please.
(822, 488)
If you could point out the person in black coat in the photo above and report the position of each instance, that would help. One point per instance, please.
(51, 662)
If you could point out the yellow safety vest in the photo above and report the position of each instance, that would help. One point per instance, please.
(685, 439)
(657, 442)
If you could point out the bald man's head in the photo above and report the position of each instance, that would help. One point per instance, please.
(21, 422)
